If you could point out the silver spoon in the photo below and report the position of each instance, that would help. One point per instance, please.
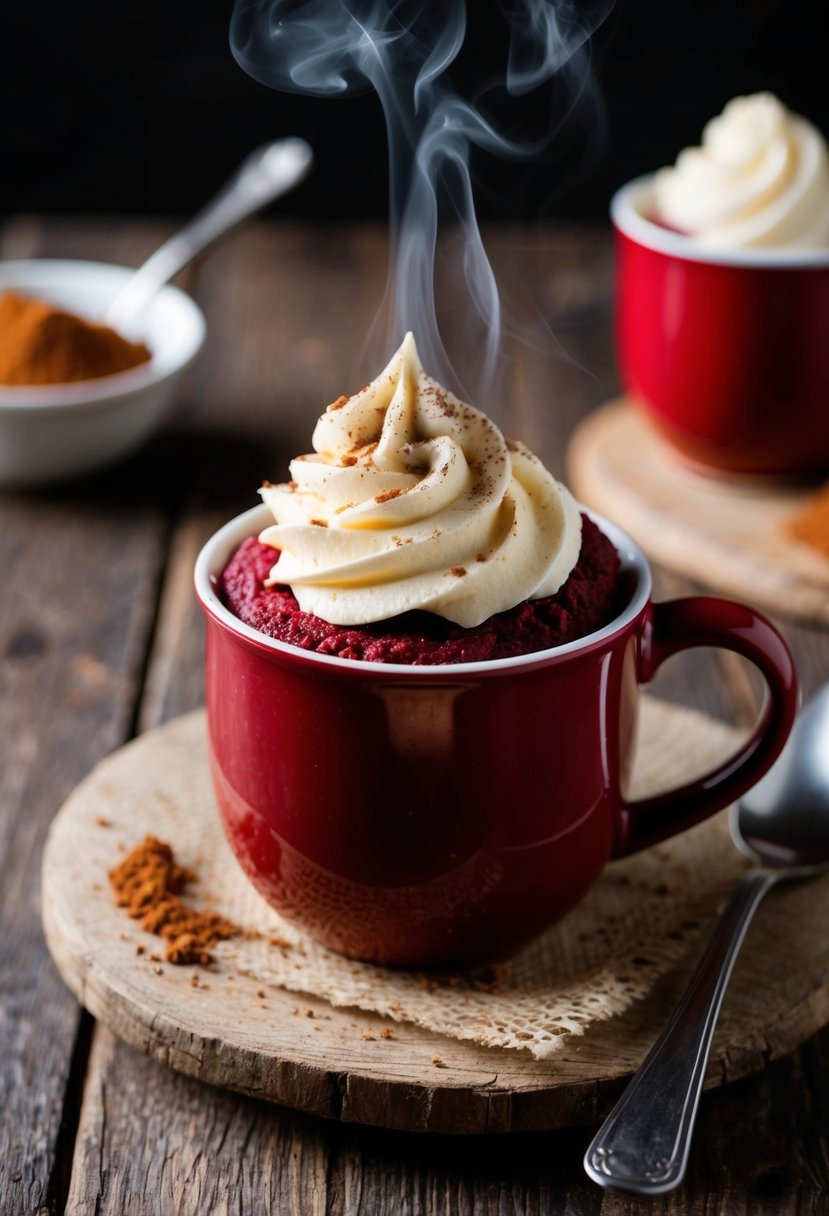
(266, 173)
(782, 825)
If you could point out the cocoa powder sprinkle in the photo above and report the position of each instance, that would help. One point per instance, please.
(148, 884)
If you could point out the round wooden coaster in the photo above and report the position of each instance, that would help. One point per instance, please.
(220, 1025)
(730, 536)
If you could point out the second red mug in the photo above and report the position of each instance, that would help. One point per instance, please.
(726, 350)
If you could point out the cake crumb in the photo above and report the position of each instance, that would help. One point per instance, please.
(387, 1033)
(438, 1061)
(367, 1036)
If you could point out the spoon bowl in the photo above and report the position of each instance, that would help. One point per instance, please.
(783, 822)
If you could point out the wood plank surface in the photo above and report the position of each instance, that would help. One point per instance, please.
(85, 659)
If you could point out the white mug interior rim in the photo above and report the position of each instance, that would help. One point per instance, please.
(217, 551)
(628, 209)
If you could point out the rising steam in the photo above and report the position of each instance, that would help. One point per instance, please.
(403, 50)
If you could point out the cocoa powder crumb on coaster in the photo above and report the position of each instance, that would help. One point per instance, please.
(101, 821)
(811, 525)
(260, 992)
(148, 884)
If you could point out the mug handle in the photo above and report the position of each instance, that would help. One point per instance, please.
(707, 621)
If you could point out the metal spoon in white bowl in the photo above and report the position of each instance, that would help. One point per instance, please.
(782, 825)
(264, 175)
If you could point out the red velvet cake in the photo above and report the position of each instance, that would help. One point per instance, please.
(587, 601)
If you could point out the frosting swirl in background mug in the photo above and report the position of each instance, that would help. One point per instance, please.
(761, 178)
(412, 499)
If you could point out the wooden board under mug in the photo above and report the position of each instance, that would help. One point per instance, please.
(727, 535)
(302, 1052)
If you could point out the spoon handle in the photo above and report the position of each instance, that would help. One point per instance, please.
(268, 172)
(642, 1147)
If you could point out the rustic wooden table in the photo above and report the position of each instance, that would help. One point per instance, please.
(100, 639)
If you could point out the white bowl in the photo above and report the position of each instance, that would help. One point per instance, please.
(49, 432)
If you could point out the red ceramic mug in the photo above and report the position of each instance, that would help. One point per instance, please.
(446, 814)
(726, 350)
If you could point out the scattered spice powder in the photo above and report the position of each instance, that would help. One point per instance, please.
(339, 403)
(148, 884)
(812, 524)
(387, 495)
(41, 344)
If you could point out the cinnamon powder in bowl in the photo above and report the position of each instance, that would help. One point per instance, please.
(113, 389)
(42, 344)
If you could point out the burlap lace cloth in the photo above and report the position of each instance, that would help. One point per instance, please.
(639, 919)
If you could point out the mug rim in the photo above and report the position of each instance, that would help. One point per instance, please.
(217, 550)
(626, 212)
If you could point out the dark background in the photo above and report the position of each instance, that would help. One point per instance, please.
(138, 106)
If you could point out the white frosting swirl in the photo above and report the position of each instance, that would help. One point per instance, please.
(413, 499)
(761, 178)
